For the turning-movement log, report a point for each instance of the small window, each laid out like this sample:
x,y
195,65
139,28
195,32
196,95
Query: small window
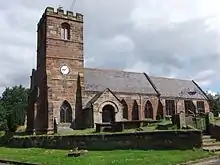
x,y
38,91
65,31
200,107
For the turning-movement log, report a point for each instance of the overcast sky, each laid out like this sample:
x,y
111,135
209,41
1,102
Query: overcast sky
x,y
174,38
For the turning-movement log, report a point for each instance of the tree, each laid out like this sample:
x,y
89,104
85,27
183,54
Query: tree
x,y
214,104
14,102
3,121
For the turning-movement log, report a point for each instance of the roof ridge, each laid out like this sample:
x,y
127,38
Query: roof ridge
x,y
163,77
115,70
133,72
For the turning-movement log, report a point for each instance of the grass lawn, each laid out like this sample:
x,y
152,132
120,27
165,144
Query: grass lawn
x,y
118,157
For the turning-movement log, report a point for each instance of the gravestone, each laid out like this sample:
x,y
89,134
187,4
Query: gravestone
x,y
55,125
179,120
210,117
209,121
76,152
182,120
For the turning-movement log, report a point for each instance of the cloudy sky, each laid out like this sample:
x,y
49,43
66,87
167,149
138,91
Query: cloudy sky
x,y
173,38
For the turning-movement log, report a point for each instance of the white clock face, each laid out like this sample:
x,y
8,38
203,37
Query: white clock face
x,y
64,70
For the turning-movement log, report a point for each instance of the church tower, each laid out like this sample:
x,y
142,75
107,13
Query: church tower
x,y
58,82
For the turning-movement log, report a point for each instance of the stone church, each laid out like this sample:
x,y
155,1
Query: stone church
x,y
65,92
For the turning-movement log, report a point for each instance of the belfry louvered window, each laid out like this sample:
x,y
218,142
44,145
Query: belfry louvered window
x,y
65,31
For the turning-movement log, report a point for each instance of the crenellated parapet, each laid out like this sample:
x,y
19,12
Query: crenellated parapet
x,y
64,14
60,13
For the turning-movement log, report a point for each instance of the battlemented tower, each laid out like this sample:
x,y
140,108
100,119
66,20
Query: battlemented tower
x,y
58,81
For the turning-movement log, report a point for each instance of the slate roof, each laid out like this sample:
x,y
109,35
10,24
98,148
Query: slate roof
x,y
169,87
116,81
130,82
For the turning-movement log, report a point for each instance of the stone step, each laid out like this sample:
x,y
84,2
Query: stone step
x,y
211,140
212,148
206,137
211,144
217,152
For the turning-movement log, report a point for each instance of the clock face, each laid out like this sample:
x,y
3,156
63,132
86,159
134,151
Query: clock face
x,y
64,70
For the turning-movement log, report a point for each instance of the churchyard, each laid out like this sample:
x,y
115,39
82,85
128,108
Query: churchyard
x,y
116,157
158,142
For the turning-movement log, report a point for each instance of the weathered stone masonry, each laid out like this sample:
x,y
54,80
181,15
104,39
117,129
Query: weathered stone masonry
x,y
64,92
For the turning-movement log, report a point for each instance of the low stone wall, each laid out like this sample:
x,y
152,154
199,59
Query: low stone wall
x,y
139,140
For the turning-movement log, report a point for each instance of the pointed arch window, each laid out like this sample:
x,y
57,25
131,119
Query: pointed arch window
x,y
148,111
65,31
135,111
65,113
125,109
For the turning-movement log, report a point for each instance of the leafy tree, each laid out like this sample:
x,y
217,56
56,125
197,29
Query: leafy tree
x,y
14,102
214,104
3,121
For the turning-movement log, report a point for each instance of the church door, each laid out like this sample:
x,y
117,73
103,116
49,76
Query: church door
x,y
108,114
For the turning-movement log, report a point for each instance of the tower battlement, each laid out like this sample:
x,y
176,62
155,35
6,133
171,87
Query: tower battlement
x,y
60,13
66,15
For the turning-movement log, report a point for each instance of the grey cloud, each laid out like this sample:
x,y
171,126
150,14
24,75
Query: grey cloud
x,y
182,48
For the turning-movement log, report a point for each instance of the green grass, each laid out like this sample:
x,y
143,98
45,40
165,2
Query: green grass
x,y
118,157
92,131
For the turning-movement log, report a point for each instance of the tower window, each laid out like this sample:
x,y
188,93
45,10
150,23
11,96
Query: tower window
x,y
65,31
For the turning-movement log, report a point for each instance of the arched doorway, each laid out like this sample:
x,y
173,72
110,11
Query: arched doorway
x,y
125,109
108,114
148,111
65,112
135,111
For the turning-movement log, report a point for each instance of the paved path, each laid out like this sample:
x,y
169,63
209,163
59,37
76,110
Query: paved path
x,y
211,162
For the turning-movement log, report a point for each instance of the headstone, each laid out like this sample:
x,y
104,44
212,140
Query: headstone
x,y
25,122
55,125
182,120
211,119
179,120
76,152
